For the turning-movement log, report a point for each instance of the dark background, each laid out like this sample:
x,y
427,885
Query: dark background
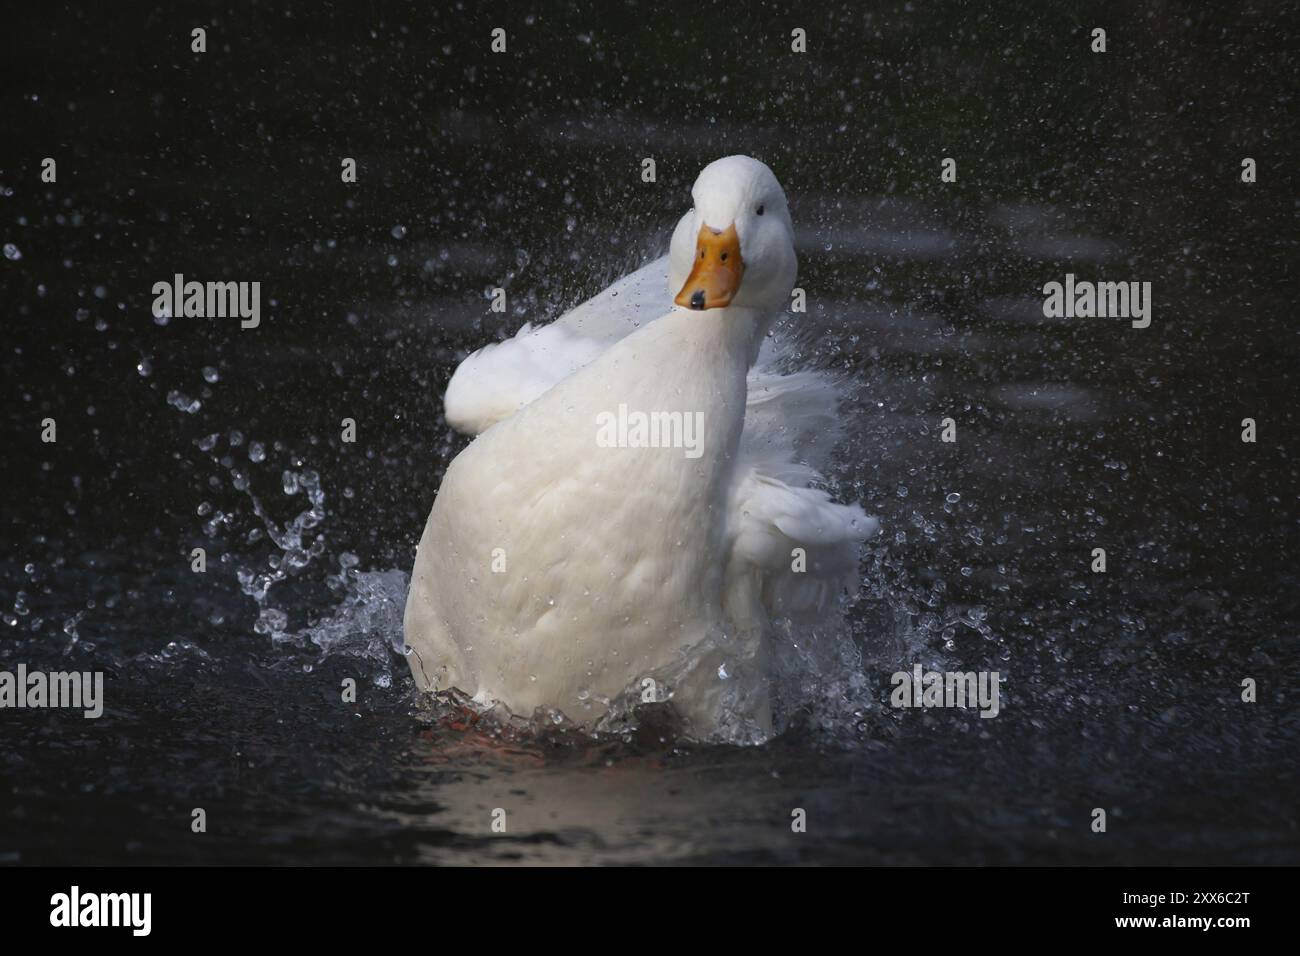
x,y
523,171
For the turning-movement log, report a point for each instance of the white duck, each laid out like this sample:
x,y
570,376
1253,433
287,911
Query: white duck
x,y
558,571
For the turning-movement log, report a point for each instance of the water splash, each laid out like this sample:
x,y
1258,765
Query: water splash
x,y
365,617
367,621
296,552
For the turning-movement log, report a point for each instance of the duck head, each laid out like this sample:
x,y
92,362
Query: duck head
x,y
736,247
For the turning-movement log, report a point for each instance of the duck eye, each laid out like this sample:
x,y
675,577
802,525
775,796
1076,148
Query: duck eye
x,y
759,210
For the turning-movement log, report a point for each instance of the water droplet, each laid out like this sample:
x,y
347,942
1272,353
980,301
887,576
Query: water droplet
x,y
183,402
11,252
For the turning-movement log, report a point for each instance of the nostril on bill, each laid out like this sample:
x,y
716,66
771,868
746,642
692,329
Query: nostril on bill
x,y
697,299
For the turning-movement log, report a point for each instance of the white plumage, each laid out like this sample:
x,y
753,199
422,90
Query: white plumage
x,y
556,572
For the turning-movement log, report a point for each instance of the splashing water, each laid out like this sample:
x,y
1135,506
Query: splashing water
x,y
367,622
365,619
296,553
820,678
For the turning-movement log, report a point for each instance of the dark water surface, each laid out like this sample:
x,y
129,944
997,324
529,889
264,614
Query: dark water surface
x,y
1122,691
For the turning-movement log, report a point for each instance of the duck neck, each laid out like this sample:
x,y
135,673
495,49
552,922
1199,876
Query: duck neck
x,y
701,363
744,329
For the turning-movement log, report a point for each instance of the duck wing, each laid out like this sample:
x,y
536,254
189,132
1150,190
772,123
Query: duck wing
x,y
499,379
794,551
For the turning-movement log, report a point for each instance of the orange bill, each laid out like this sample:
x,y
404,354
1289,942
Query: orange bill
x,y
715,277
